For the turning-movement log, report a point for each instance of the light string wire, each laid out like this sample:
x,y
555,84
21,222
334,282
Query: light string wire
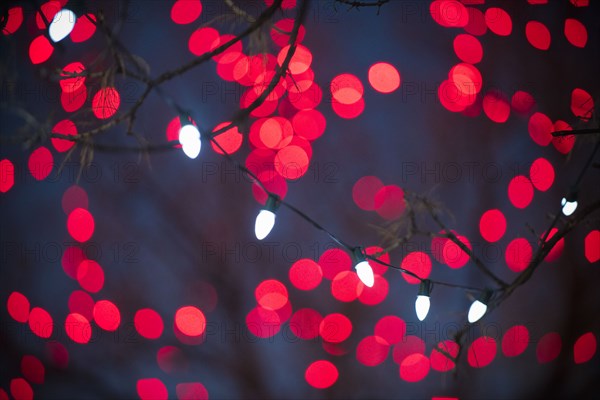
x,y
244,113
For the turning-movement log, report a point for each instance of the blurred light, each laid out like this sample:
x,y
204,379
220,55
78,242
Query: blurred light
x,y
62,24
189,137
478,308
265,220
422,303
363,269
568,207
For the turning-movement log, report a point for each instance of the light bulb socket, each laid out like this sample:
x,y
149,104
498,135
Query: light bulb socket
x,y
425,288
485,296
358,255
572,196
272,203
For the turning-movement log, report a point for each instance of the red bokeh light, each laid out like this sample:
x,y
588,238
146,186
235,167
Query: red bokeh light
x,y
151,389
7,175
476,25
346,89
305,274
106,103
190,321
439,361
391,328
576,32
203,40
291,162
374,295
263,323
40,163
515,341
496,106
71,259
80,225
564,144
57,354
40,322
73,101
372,351
333,261
70,83
46,13
78,328
522,102
107,315
186,11
378,268
449,13
548,347
582,104
540,129
541,174
468,48
13,21
482,352
346,286
191,391
271,294
300,61
310,124
18,307
148,323
90,276
348,111
557,250
518,254
321,374
389,202
84,28
32,369
498,21
408,345
584,348
414,367
364,191
538,35
384,77
64,127
40,50
417,262
335,328
20,389
81,302
492,225
453,255
520,191
74,197
230,140
280,33
305,323
592,246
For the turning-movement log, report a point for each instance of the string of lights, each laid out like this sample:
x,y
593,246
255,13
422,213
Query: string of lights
x,y
190,139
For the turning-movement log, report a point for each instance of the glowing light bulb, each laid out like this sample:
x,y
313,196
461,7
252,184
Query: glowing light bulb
x,y
365,273
265,220
423,302
476,311
62,24
422,307
568,207
189,137
479,308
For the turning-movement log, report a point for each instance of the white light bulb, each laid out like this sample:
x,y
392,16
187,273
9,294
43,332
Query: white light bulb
x,y
189,137
476,311
568,207
422,306
365,273
62,24
265,220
